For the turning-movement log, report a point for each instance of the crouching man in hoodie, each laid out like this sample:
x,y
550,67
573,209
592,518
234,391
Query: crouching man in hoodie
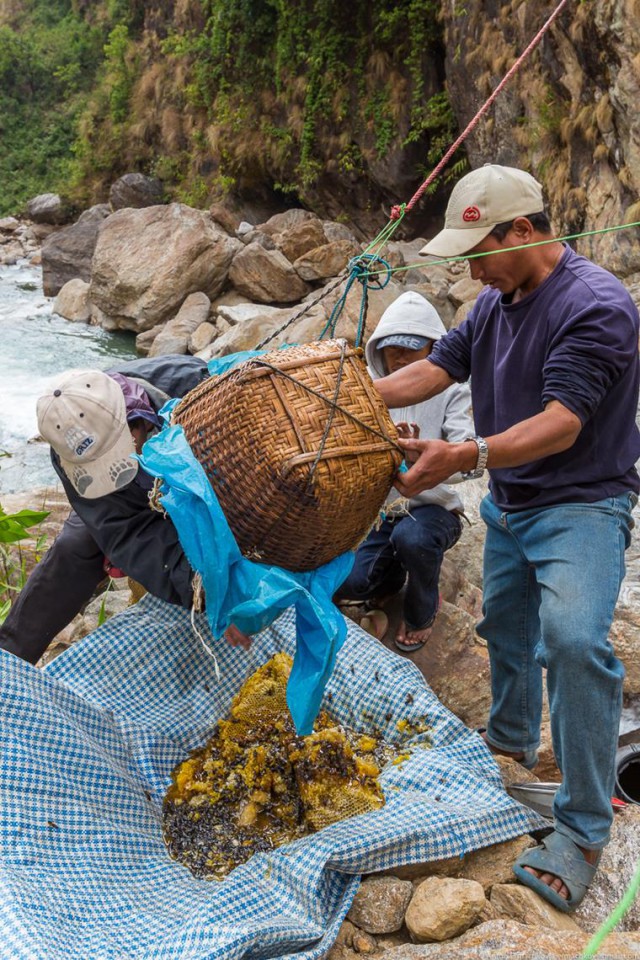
x,y
413,537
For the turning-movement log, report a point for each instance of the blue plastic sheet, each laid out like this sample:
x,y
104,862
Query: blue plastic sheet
x,y
247,594
220,365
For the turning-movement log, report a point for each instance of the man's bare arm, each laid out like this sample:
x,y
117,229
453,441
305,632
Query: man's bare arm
x,y
552,431
414,383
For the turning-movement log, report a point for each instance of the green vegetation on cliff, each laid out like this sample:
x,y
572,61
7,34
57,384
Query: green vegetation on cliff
x,y
50,53
218,95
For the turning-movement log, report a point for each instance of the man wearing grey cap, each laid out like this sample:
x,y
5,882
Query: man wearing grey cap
x,y
551,350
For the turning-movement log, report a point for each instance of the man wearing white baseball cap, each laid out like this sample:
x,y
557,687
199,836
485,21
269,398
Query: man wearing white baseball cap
x,y
482,200
84,418
94,422
551,351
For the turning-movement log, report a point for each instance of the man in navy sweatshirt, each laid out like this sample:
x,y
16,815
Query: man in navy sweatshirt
x,y
551,349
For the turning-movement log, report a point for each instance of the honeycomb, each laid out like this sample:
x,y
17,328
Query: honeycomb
x,y
256,785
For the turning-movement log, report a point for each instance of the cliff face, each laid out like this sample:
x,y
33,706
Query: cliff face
x,y
570,115
343,109
339,108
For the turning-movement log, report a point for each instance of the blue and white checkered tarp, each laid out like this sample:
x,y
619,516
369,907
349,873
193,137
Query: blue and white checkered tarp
x,y
88,746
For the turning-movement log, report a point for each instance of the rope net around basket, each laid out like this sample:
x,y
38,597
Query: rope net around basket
x,y
299,449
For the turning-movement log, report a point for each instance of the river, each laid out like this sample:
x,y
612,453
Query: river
x,y
37,344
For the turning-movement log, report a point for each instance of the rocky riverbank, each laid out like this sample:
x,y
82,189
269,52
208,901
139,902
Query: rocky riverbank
x,y
206,282
21,239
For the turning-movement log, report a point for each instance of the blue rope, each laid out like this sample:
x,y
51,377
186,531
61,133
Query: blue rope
x,y
359,269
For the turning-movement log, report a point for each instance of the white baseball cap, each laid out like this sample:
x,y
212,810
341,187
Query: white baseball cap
x,y
482,199
84,418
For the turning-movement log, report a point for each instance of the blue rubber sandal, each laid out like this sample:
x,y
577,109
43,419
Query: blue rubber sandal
x,y
561,857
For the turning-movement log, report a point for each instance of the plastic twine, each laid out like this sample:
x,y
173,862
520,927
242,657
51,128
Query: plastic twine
x,y
461,258
360,270
197,606
614,917
387,231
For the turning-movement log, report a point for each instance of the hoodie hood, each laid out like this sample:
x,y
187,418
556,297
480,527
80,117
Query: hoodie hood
x,y
412,314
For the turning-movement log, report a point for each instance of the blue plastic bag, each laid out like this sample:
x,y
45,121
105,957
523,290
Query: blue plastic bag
x,y
247,594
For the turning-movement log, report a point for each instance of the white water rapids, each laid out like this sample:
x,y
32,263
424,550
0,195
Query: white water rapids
x,y
36,344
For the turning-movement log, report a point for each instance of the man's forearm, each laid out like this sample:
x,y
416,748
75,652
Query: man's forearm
x,y
414,383
552,431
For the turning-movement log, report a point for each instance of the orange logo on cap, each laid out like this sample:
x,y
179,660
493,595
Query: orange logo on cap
x,y
471,214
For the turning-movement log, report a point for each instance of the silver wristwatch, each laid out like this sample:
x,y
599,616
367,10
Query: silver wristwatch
x,y
483,456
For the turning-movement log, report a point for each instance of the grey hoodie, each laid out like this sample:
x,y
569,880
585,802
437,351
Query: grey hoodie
x,y
445,416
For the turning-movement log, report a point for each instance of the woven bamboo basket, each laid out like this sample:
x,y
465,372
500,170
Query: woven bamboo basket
x,y
299,448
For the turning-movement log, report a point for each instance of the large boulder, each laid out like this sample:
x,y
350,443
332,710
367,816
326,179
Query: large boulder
x,y
147,262
515,902
202,336
510,940
266,276
328,260
48,208
380,904
281,223
239,313
300,238
249,326
9,224
442,908
615,874
72,302
174,336
145,339
337,231
67,253
225,218
136,190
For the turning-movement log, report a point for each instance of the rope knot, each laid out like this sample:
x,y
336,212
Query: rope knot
x,y
363,268
360,269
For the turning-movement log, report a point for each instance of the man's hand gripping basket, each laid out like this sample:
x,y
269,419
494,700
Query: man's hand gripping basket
x,y
299,448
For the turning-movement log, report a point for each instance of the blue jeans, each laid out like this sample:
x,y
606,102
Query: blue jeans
x,y
412,545
551,582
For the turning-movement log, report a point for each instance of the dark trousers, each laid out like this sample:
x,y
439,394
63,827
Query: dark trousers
x,y
58,588
405,547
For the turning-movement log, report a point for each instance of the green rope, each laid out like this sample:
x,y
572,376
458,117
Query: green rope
x,y
365,274
386,233
614,917
522,246
359,270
